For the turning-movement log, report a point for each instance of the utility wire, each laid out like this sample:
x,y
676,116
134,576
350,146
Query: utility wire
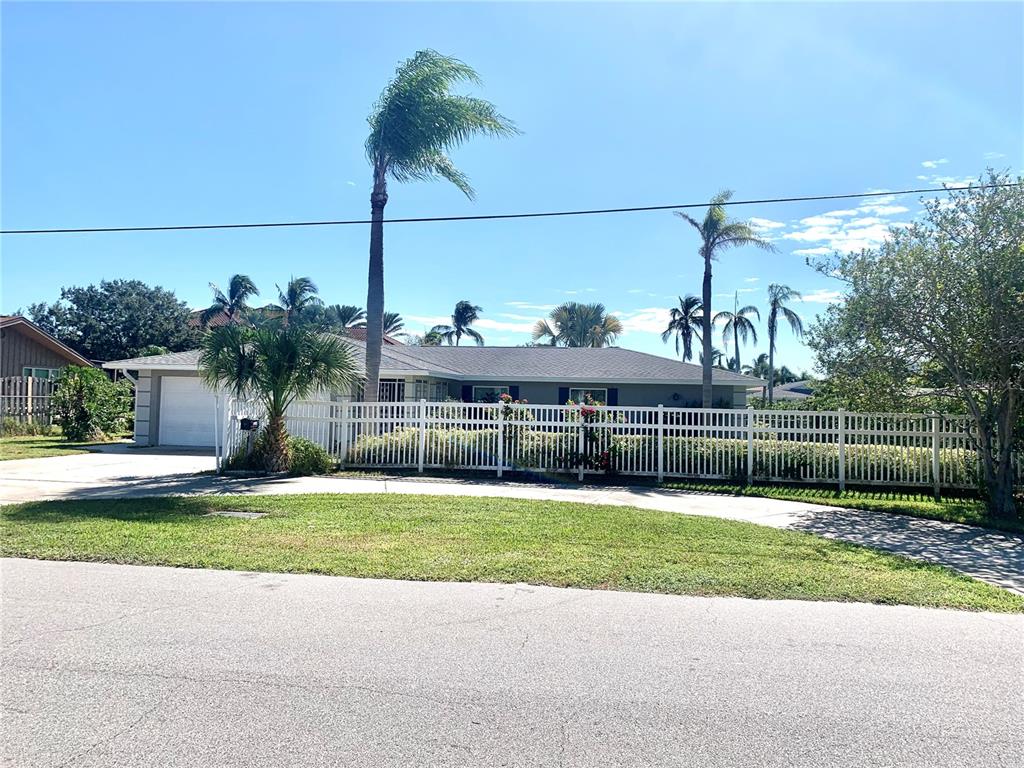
x,y
494,216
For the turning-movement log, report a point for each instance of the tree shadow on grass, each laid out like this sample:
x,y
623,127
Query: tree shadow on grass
x,y
993,556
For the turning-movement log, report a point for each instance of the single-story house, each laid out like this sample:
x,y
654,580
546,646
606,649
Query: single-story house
x,y
28,350
173,407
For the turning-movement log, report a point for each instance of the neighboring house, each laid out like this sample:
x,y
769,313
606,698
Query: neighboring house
x,y
174,408
794,390
28,350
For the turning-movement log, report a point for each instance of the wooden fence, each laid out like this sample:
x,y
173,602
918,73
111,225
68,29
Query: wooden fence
x,y
26,399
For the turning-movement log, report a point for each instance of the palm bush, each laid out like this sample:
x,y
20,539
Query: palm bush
x,y
275,365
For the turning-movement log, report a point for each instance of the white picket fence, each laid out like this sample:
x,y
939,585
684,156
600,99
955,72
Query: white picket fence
x,y
819,447
26,399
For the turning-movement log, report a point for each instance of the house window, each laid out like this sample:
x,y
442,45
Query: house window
x,y
40,373
391,390
488,394
598,395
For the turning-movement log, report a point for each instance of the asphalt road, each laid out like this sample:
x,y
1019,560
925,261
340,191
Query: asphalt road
x,y
135,666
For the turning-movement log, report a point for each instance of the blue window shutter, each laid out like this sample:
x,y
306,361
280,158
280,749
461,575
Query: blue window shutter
x,y
513,391
563,395
613,396
467,393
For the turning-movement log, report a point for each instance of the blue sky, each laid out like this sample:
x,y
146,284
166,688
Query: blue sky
x,y
145,114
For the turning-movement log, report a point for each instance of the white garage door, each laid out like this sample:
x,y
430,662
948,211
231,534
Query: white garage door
x,y
186,411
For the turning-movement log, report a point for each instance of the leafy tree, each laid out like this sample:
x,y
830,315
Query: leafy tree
x,y
717,233
413,127
465,314
429,339
738,326
685,323
153,349
89,406
234,304
578,325
947,291
298,296
116,319
778,295
275,365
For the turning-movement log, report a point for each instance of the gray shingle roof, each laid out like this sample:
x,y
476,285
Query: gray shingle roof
x,y
565,364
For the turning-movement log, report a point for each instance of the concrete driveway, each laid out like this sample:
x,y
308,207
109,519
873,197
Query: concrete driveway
x,y
133,666
122,471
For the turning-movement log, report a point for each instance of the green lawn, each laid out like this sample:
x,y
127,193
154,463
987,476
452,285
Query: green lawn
x,y
38,447
485,539
950,509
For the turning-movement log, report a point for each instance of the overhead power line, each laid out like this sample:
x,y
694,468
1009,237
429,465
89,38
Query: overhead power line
x,y
495,216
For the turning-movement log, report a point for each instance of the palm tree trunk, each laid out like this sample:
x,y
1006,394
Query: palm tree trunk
x,y
771,366
706,391
736,343
278,456
375,290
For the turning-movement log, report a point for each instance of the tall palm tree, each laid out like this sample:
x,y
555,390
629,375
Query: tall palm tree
x,y
232,304
778,295
275,365
578,325
738,326
685,322
392,323
465,314
343,316
297,296
413,127
759,367
717,233
717,358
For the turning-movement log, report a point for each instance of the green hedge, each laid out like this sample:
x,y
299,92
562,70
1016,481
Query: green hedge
x,y
696,456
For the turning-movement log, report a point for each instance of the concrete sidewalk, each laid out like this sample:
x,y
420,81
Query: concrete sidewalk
x,y
124,472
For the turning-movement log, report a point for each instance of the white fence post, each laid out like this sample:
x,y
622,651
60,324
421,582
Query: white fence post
x,y
661,443
936,477
421,453
841,416
28,398
345,426
579,451
501,438
750,445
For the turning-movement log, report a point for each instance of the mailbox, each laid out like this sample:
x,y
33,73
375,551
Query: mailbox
x,y
249,425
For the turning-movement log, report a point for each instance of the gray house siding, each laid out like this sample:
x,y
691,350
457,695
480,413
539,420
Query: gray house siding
x,y
649,395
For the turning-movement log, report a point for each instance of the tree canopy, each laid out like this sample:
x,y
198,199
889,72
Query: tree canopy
x,y
117,319
943,299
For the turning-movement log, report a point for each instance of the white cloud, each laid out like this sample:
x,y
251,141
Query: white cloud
x,y
934,163
350,183
485,323
993,155
883,210
751,279
822,296
865,226
646,320
502,325
765,223
528,305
